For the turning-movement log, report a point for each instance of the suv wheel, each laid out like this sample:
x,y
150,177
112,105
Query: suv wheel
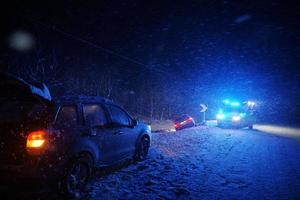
x,y
250,126
143,148
76,177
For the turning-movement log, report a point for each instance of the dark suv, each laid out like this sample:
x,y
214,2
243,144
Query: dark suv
x,y
64,139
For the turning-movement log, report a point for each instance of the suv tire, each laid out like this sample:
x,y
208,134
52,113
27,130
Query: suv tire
x,y
142,149
77,174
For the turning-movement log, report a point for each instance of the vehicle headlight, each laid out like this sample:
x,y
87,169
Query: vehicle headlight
x,y
149,127
236,118
251,103
220,116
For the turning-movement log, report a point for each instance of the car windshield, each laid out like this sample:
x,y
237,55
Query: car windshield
x,y
232,109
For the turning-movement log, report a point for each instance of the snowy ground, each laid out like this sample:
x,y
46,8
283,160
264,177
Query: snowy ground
x,y
208,163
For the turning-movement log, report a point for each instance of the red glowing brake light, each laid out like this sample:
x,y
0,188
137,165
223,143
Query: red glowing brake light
x,y
36,142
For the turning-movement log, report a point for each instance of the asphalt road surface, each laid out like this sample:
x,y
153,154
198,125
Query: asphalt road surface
x,y
208,163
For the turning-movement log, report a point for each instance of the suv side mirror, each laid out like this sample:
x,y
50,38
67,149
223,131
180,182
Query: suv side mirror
x,y
134,122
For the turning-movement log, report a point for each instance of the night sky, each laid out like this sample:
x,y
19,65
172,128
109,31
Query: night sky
x,y
200,51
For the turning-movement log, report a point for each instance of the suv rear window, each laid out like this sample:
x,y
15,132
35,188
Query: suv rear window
x,y
94,115
67,116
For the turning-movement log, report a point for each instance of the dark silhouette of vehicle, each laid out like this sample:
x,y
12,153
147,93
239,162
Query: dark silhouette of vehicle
x,y
184,121
62,140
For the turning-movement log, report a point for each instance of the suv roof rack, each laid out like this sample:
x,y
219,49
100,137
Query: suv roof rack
x,y
83,98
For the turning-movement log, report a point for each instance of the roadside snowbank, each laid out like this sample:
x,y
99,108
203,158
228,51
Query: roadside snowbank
x,y
162,126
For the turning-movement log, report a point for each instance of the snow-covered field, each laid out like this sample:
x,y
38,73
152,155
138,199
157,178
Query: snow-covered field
x,y
208,163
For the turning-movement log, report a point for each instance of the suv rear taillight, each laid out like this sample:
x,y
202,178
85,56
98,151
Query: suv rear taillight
x,y
36,142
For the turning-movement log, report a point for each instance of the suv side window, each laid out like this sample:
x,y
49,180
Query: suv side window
x,y
67,116
118,116
94,115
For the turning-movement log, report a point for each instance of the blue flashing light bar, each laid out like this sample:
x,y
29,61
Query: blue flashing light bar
x,y
235,104
226,101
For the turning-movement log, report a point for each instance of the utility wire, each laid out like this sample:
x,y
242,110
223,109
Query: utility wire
x,y
108,51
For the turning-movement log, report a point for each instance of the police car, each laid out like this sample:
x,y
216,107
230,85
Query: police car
x,y
236,114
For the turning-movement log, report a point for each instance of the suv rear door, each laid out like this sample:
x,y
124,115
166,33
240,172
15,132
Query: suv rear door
x,y
95,119
68,123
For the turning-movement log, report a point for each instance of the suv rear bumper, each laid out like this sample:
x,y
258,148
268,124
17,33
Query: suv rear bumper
x,y
31,171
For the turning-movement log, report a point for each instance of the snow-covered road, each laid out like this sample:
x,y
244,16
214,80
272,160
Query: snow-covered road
x,y
208,163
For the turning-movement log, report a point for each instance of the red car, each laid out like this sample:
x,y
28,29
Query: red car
x,y
185,121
